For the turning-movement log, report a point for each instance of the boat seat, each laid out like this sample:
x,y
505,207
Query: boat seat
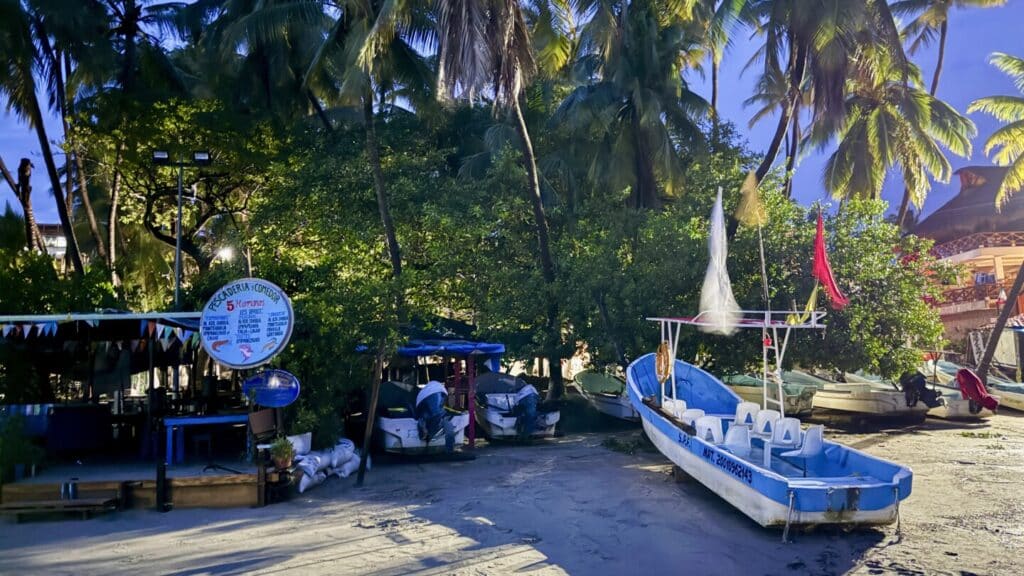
x,y
764,424
674,406
709,429
737,441
690,416
813,445
786,433
746,414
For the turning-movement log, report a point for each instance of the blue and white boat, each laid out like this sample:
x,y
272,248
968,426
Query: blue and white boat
x,y
696,427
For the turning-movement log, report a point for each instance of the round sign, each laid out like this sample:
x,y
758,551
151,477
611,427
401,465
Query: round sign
x,y
272,388
246,323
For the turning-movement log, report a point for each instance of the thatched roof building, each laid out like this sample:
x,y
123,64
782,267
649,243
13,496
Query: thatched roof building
x,y
973,210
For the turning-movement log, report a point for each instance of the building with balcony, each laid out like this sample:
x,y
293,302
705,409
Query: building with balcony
x,y
987,243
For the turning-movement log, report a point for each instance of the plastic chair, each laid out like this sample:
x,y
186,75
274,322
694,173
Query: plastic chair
x,y
737,440
764,424
709,429
674,407
786,433
690,416
746,414
814,444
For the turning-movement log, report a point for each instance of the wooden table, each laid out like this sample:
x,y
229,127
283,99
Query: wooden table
x,y
174,427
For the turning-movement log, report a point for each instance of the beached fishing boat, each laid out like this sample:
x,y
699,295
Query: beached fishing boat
x,y
396,428
607,394
769,468
942,373
953,406
507,407
798,400
857,397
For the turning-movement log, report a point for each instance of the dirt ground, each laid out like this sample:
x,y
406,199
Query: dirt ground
x,y
580,504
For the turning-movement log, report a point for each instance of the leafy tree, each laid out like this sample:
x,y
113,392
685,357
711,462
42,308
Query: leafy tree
x,y
1006,146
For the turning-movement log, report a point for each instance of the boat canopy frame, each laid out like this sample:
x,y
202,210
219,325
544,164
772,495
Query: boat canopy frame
x,y
770,322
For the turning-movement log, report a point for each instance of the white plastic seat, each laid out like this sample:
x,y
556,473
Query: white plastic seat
x,y
813,445
674,406
690,416
746,414
709,429
786,433
764,424
737,440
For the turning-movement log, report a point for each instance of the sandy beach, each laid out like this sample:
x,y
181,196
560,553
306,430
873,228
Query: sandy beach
x,y
580,504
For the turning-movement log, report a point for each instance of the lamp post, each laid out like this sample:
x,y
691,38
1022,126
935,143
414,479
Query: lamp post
x,y
163,158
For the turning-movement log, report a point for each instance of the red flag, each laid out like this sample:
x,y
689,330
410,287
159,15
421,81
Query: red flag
x,y
822,270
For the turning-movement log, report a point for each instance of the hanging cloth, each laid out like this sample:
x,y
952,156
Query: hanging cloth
x,y
812,303
718,306
822,270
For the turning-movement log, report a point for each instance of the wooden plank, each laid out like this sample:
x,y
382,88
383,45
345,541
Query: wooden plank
x,y
51,505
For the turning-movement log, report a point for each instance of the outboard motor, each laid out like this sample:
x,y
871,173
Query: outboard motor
x,y
527,398
430,409
916,390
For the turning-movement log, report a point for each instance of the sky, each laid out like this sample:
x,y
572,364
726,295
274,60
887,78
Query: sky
x,y
966,76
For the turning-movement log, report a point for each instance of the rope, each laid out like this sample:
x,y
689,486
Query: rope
x,y
789,517
899,527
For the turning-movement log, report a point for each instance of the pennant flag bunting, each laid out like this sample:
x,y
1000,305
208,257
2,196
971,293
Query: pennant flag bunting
x,y
6,329
40,329
165,343
134,345
92,323
25,329
53,328
822,270
151,327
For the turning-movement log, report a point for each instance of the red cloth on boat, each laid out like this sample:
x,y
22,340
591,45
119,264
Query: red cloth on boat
x,y
822,270
973,388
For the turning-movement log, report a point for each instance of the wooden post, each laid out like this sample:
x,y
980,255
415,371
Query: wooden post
x,y
378,374
471,398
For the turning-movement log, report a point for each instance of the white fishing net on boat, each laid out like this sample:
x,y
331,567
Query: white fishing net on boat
x,y
718,307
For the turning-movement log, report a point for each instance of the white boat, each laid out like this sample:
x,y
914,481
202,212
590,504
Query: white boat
x,y
396,429
607,394
789,477
953,406
943,374
798,400
858,397
496,401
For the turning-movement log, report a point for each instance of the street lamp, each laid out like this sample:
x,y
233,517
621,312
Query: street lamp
x,y
163,158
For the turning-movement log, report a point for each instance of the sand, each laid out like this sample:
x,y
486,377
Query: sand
x,y
568,506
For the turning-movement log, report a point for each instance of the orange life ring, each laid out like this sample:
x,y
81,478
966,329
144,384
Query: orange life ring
x,y
663,363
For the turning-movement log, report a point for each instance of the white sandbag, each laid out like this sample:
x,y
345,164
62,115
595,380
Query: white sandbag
x,y
302,443
342,452
324,459
310,464
307,482
347,468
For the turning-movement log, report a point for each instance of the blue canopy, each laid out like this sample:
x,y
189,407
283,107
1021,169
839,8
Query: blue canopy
x,y
414,348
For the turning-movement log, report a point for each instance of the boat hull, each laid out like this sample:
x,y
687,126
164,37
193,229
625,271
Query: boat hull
x,y
868,401
1011,400
846,486
957,408
496,425
796,404
615,406
402,436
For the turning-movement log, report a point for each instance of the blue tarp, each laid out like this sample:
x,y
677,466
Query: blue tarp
x,y
414,348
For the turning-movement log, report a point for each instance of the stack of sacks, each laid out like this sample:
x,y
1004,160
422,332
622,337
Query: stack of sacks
x,y
341,461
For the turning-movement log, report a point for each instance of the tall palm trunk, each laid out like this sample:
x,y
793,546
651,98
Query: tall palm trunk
x,y
943,32
73,252
83,190
645,190
798,63
794,151
547,264
379,185
1004,315
23,191
115,196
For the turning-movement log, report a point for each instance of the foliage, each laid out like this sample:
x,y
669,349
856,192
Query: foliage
x,y
1006,145
281,449
15,448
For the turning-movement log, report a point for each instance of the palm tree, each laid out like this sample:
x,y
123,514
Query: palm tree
x,y
1006,147
931,17
817,41
891,122
485,44
638,104
20,43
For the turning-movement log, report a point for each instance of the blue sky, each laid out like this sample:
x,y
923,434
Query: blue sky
x,y
973,35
